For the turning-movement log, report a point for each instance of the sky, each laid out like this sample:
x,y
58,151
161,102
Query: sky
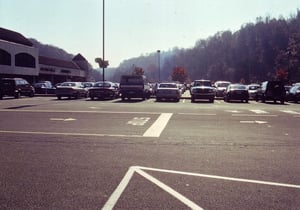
x,y
132,27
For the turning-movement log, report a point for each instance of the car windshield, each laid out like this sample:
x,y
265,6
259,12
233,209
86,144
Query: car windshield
x,y
253,87
238,87
166,85
202,83
68,84
132,80
223,84
101,84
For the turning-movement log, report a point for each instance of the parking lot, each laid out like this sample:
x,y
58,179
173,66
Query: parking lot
x,y
111,154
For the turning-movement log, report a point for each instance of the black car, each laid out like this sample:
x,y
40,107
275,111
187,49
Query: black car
x,y
15,87
202,89
236,92
103,90
271,91
44,87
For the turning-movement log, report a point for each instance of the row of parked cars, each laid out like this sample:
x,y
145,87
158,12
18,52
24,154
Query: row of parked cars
x,y
135,86
266,91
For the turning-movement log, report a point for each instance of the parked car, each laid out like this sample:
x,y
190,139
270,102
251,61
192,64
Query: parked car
x,y
168,91
252,90
88,84
15,87
221,87
44,87
202,89
103,90
134,86
271,91
71,90
294,94
236,92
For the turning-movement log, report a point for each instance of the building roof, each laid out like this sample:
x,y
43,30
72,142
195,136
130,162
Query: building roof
x,y
79,57
56,62
15,37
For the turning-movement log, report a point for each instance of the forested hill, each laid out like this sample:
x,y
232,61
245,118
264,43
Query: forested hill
x,y
254,53
51,51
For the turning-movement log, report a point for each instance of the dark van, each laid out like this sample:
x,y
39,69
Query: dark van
x,y
15,87
134,86
271,91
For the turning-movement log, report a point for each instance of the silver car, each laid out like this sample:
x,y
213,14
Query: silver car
x,y
71,90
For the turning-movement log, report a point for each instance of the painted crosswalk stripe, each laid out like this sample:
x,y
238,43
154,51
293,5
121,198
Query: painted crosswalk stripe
x,y
158,126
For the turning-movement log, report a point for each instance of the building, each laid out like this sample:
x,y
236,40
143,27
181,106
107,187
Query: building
x,y
19,58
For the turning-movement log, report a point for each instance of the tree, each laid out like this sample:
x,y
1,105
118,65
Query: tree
x,y
179,74
138,71
282,75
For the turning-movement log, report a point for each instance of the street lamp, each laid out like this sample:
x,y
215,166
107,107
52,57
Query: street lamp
x,y
101,61
103,49
158,51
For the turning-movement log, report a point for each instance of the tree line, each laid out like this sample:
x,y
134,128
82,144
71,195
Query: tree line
x,y
265,50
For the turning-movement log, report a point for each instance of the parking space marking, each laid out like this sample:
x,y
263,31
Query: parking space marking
x,y
224,178
113,199
158,126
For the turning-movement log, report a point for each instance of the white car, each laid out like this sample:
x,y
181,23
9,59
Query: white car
x,y
168,91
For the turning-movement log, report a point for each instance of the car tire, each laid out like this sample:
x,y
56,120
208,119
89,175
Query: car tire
x,y
17,95
31,94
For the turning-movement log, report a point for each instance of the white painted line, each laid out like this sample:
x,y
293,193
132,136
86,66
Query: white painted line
x,y
62,119
169,190
111,202
70,134
198,114
218,102
223,178
256,121
258,111
233,111
79,111
158,126
290,112
254,115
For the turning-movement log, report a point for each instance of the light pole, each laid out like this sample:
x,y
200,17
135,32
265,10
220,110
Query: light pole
x,y
103,49
158,52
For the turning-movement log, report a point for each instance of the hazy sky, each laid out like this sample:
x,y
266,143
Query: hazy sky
x,y
132,27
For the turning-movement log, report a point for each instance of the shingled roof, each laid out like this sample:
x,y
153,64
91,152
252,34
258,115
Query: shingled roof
x,y
15,37
56,62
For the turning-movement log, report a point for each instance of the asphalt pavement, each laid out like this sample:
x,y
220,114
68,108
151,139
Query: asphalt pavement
x,y
110,154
